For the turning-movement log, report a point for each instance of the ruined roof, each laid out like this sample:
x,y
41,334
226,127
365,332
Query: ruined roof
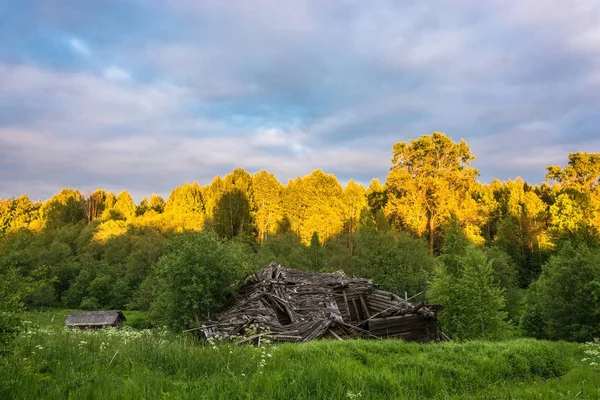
x,y
94,318
293,305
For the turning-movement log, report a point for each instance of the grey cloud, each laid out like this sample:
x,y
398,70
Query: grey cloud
x,y
298,85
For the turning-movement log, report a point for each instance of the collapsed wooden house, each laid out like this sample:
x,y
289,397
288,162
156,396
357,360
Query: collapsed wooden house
x,y
287,304
95,319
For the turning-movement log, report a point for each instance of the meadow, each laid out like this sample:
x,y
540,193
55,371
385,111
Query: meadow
x,y
50,362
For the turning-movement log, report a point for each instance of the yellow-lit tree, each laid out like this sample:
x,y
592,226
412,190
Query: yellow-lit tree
x,y
315,204
64,208
267,197
430,180
355,202
125,206
234,209
185,207
580,184
522,227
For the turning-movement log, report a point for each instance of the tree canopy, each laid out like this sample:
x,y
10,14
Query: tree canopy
x,y
429,181
493,254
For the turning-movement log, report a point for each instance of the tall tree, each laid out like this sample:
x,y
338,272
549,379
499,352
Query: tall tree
x,y
522,227
581,173
18,213
66,207
563,302
429,181
212,194
125,205
314,203
234,211
355,201
185,207
94,205
195,279
465,285
580,181
156,203
267,197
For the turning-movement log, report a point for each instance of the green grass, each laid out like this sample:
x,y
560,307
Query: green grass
x,y
53,363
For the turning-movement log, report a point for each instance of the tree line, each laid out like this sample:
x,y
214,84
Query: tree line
x,y
503,258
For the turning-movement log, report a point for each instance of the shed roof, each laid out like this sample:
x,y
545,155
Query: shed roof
x,y
94,318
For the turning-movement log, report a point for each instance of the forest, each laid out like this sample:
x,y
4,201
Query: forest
x,y
504,259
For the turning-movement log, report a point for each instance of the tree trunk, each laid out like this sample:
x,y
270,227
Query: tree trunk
x,y
431,234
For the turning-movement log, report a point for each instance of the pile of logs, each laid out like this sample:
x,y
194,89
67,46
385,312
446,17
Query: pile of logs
x,y
287,304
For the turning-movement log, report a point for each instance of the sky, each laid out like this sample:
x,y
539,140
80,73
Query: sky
x,y
145,95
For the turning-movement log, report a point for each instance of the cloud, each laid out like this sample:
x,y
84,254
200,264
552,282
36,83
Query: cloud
x,y
116,74
185,90
79,47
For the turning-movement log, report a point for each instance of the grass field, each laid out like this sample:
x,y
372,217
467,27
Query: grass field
x,y
51,363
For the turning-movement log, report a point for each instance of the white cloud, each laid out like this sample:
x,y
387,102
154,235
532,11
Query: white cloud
x,y
329,85
116,74
78,46
70,102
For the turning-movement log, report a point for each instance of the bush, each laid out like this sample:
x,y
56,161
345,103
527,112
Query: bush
x,y
195,279
563,302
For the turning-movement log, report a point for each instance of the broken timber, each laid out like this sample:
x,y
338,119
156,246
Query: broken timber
x,y
287,304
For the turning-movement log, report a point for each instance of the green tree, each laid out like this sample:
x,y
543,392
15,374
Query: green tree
x,y
395,260
14,288
285,248
430,180
315,251
521,228
474,303
376,196
66,207
563,303
465,285
195,280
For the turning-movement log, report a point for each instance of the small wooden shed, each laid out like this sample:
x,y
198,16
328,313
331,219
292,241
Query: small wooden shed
x,y
95,319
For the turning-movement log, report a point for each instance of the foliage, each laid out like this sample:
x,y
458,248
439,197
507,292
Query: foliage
x,y
101,250
64,208
269,210
194,280
396,261
314,203
563,303
429,182
521,229
14,288
465,286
